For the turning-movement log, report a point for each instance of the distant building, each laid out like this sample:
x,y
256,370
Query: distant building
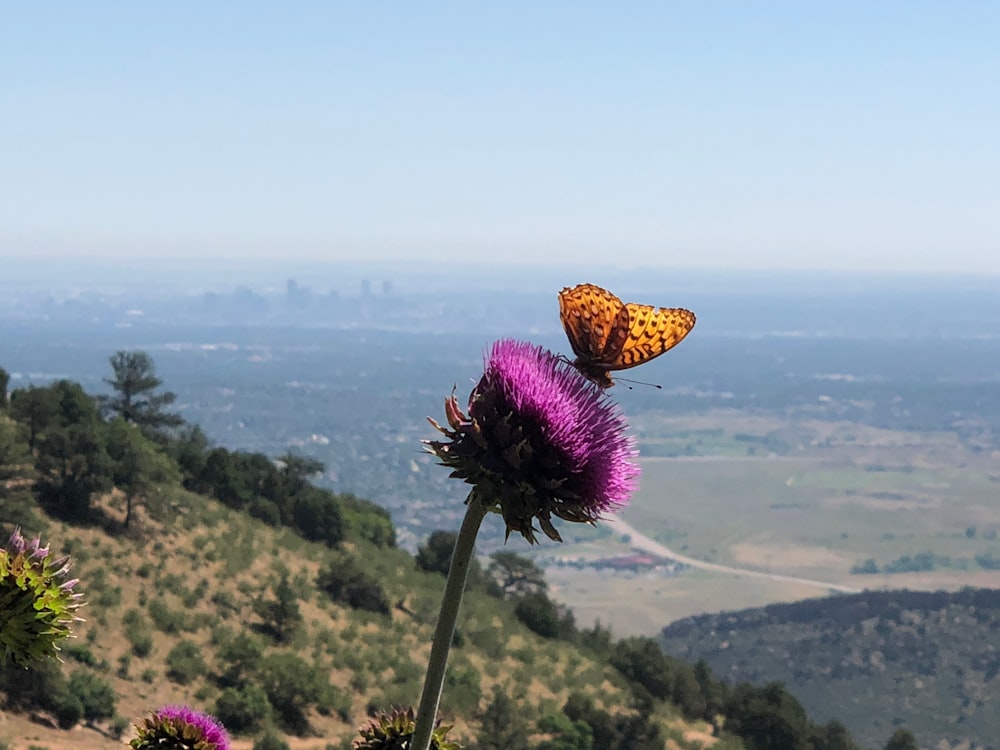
x,y
296,296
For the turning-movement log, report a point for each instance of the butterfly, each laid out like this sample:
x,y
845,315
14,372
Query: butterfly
x,y
607,334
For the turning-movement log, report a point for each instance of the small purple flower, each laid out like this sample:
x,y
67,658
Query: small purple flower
x,y
37,605
539,440
180,728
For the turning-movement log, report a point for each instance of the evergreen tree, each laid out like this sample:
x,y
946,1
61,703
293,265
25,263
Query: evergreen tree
x,y
138,467
712,690
539,614
902,739
135,399
501,726
605,728
281,615
767,718
434,556
15,458
317,516
297,471
17,474
35,408
686,692
566,733
643,663
71,462
190,450
834,736
515,575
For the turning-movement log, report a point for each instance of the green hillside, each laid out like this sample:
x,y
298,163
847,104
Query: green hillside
x,y
875,660
228,581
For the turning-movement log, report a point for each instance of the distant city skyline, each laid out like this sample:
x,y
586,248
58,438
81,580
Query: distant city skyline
x,y
769,135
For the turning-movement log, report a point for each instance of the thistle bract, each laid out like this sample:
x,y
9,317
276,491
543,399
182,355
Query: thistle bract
x,y
37,603
393,730
539,440
180,728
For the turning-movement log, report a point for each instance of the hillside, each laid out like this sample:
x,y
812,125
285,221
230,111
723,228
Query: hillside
x,y
229,581
172,616
875,660
280,607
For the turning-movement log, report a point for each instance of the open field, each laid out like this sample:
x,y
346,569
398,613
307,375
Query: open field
x,y
922,505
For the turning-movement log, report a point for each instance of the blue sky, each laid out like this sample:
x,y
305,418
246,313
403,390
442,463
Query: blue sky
x,y
845,135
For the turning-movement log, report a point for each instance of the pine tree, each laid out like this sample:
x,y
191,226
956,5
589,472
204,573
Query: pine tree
x,y
902,739
135,383
501,726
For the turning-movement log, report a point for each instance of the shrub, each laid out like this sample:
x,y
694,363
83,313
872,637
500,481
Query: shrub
x,y
124,662
369,521
243,710
82,654
462,689
137,632
281,616
119,725
95,695
239,658
264,510
539,614
68,710
345,582
434,555
292,686
185,663
166,619
270,741
318,518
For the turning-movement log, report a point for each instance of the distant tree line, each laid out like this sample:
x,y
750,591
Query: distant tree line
x,y
68,447
765,717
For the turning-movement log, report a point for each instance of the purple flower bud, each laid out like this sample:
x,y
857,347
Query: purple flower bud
x,y
180,727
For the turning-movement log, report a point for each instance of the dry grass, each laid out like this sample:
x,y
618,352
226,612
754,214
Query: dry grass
x,y
167,563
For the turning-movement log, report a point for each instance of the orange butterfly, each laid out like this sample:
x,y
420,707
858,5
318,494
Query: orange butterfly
x,y
607,334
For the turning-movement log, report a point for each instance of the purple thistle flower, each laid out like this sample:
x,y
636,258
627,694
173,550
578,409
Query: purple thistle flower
x,y
38,607
539,440
180,728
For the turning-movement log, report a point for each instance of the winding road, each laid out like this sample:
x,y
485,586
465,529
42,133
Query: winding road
x,y
646,544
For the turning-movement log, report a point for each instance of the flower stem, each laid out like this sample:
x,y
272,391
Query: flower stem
x,y
445,630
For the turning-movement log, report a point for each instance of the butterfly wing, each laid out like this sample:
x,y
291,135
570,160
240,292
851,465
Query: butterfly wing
x,y
596,323
651,332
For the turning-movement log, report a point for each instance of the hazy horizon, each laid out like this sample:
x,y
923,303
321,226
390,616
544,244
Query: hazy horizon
x,y
178,274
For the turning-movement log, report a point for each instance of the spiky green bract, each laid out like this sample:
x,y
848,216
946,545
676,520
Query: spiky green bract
x,y
539,440
393,730
180,728
37,603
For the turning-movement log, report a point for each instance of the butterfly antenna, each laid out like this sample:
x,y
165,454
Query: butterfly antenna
x,y
638,382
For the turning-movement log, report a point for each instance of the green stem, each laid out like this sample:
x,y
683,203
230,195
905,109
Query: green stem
x,y
445,630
